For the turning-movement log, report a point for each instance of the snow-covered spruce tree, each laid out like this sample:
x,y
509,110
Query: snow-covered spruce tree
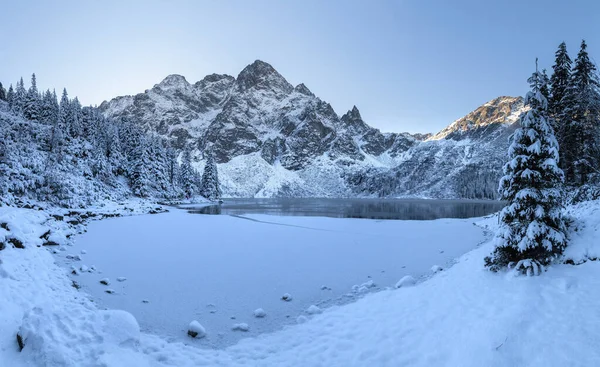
x,y
140,179
532,230
64,112
75,116
2,93
19,98
187,174
582,109
49,110
210,187
559,82
33,104
10,97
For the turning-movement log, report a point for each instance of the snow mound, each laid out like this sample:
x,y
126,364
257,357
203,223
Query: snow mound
x,y
260,313
406,281
301,319
59,337
364,287
240,327
313,310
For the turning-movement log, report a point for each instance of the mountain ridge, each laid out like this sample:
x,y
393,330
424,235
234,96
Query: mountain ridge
x,y
262,120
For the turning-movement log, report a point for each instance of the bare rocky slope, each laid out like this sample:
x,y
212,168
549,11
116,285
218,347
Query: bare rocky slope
x,y
273,139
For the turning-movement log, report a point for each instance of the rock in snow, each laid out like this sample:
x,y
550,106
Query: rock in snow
x,y
436,269
406,281
240,327
286,297
105,281
260,313
195,330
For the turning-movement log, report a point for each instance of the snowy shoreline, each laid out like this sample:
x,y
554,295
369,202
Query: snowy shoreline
x,y
461,316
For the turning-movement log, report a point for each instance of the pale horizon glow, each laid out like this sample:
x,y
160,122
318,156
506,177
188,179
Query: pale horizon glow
x,y
409,65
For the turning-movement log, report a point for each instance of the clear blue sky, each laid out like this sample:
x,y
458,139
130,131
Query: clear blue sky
x,y
413,65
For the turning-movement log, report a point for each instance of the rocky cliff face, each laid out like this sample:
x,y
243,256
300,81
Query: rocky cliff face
x,y
273,139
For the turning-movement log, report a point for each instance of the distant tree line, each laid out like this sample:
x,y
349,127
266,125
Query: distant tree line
x,y
62,152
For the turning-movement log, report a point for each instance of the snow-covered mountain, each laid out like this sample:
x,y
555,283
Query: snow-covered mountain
x,y
271,138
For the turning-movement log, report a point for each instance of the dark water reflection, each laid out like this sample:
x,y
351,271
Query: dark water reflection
x,y
401,209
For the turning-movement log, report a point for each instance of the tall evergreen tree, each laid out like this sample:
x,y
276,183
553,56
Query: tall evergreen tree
x,y
187,174
532,231
140,179
210,187
75,116
545,81
32,107
49,110
582,108
10,97
172,167
114,153
2,93
559,82
19,99
64,112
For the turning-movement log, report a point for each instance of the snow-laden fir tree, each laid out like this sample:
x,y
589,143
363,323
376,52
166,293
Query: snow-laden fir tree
x,y
2,93
32,106
64,113
559,83
10,97
140,175
545,89
582,112
19,98
210,187
187,175
49,110
532,229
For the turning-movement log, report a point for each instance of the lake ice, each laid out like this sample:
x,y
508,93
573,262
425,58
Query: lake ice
x,y
170,269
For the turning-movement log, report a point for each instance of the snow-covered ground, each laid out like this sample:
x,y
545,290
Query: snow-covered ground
x,y
218,269
461,316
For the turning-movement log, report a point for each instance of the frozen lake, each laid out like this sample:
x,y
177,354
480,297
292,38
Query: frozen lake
x,y
218,269
403,209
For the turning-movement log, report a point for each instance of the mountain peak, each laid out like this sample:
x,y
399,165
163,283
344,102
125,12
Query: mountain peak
x,y
172,81
303,89
261,75
503,110
352,116
212,79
